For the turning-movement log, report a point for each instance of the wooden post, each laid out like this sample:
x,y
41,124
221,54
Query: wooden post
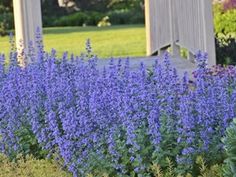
x,y
148,27
27,15
209,40
173,30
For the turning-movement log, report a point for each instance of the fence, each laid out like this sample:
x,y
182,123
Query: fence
x,y
180,23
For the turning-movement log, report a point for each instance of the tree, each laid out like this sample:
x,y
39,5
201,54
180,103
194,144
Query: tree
x,y
70,5
125,4
6,17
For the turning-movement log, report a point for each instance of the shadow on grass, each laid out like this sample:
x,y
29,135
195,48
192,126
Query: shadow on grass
x,y
75,29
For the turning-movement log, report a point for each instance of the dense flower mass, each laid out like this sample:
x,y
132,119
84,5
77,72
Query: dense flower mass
x,y
117,117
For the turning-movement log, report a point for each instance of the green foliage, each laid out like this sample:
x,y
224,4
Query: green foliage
x,y
224,21
30,167
225,32
51,9
166,167
92,11
93,5
126,16
121,12
125,4
204,170
79,19
3,31
168,146
155,170
6,17
213,171
225,50
141,157
92,18
29,144
230,147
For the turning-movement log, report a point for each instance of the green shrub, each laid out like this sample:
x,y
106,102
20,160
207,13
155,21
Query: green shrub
x,y
6,23
91,18
79,19
3,31
28,144
205,171
225,50
30,167
48,21
225,33
224,21
155,170
126,17
230,147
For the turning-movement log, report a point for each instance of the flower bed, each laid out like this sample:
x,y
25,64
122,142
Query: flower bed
x,y
116,121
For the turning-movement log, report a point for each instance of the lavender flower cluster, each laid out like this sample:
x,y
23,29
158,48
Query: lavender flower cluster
x,y
124,117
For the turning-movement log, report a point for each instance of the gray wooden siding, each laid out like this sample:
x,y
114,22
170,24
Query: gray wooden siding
x,y
185,23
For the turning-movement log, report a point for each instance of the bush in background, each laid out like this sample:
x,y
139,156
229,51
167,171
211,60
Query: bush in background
x,y
126,17
79,19
224,21
225,34
3,30
116,17
225,50
6,17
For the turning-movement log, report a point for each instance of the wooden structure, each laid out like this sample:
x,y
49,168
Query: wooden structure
x,y
175,23
180,23
27,15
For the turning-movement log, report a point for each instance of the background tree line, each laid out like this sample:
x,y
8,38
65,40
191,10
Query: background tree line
x,y
91,11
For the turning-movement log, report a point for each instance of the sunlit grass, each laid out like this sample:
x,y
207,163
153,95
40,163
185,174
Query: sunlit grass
x,y
116,41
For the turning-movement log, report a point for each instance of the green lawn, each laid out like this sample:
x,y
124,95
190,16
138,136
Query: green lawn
x,y
126,40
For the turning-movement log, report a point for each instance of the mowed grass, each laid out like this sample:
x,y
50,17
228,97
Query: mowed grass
x,y
114,41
